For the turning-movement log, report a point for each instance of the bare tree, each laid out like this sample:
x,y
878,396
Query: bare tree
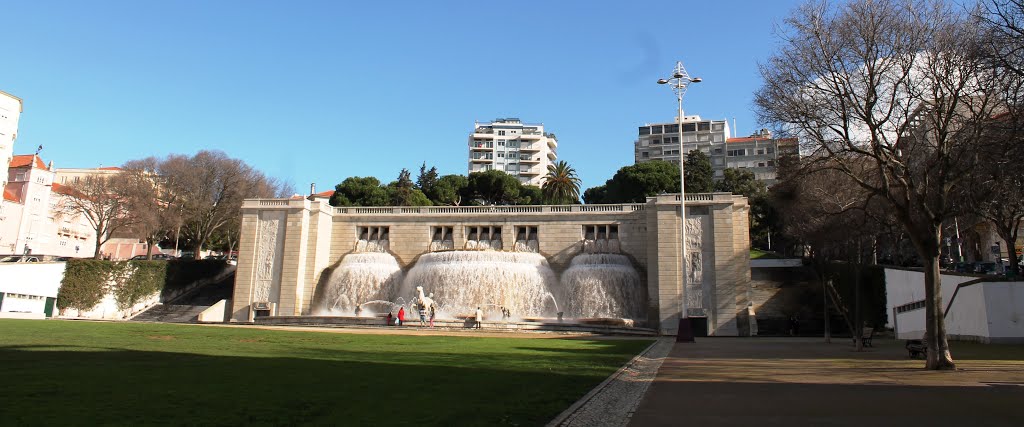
x,y
891,93
158,209
211,187
105,200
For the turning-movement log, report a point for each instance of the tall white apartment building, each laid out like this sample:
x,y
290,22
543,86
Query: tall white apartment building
x,y
661,141
10,112
509,145
758,153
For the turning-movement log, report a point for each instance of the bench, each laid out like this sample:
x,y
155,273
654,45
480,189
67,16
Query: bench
x,y
866,337
917,347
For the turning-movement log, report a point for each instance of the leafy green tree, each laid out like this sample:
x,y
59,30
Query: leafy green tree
x,y
740,181
530,195
699,176
449,190
635,183
360,191
493,187
403,192
595,195
427,179
561,184
743,182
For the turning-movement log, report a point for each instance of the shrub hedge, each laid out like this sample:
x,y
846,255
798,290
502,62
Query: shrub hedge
x,y
86,281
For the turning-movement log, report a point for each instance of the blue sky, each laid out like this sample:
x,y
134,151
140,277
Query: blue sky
x,y
318,91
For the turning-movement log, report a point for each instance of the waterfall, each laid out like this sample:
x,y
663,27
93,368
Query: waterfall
x,y
461,281
603,285
360,277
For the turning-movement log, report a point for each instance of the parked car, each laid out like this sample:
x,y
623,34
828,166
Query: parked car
x,y
19,258
985,268
156,257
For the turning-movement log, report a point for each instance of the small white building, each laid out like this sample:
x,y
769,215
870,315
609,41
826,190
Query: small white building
x,y
980,309
29,290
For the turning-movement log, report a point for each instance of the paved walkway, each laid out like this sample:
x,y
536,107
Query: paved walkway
x,y
804,382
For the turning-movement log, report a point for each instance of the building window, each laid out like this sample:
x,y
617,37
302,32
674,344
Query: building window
x,y
718,126
526,239
671,128
655,141
760,151
645,130
771,163
689,127
718,151
645,154
20,176
655,129
501,142
771,150
481,237
704,126
501,132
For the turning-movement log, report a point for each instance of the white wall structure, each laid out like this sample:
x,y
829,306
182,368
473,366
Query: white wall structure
x,y
982,310
10,112
27,288
509,145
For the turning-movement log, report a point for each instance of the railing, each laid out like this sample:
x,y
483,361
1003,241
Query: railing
x,y
428,210
273,203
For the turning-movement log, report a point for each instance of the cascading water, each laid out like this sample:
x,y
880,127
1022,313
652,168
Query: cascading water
x,y
603,285
461,281
359,278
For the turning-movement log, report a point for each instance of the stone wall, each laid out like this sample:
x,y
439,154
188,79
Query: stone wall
x,y
286,245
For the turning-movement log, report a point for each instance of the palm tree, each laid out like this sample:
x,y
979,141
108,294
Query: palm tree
x,y
561,185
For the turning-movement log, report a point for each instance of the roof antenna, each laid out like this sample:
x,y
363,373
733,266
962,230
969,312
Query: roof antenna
x,y
39,149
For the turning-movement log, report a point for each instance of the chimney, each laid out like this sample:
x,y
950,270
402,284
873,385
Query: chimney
x,y
312,188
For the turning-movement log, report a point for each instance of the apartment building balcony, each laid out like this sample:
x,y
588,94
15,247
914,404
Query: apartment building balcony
x,y
483,147
533,136
529,171
552,143
529,159
483,131
481,160
529,147
552,155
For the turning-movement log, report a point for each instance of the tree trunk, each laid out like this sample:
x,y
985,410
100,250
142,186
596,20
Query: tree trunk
x,y
1011,250
199,249
96,254
939,357
149,248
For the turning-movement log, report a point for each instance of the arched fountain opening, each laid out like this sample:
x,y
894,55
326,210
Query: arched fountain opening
x,y
603,285
368,275
461,281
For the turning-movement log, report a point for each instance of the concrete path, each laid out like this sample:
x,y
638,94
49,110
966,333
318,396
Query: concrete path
x,y
804,382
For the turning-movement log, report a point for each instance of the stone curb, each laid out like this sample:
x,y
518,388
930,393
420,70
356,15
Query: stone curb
x,y
582,405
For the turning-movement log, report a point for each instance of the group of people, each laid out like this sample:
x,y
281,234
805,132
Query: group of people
x,y
427,315
505,313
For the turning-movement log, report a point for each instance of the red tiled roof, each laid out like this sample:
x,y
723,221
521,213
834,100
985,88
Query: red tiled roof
x,y
24,160
10,197
326,194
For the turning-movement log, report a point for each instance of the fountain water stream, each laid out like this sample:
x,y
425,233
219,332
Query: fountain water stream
x,y
464,280
603,285
359,278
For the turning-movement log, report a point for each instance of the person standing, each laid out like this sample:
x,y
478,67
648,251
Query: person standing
x,y
401,317
432,314
389,318
479,318
423,315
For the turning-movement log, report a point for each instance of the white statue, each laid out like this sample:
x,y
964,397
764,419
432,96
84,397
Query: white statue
x,y
425,302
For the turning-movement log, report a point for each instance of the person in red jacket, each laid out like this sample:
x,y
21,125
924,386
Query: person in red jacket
x,y
401,316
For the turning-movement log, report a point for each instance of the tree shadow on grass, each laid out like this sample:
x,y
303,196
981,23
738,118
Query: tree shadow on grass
x,y
61,385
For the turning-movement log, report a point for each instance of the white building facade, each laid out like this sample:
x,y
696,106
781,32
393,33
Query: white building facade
x,y
32,214
10,112
509,145
758,152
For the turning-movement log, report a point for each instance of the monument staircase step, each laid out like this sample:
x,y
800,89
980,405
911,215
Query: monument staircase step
x,y
171,313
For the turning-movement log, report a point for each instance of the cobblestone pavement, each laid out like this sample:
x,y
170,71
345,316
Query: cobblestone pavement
x,y
612,402
805,382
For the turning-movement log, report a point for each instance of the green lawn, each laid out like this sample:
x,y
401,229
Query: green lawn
x,y
87,373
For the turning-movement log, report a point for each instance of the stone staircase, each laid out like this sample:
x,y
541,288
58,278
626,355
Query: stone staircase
x,y
187,308
171,313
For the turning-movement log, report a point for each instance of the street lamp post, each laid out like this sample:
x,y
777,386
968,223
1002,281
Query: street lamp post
x,y
679,82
